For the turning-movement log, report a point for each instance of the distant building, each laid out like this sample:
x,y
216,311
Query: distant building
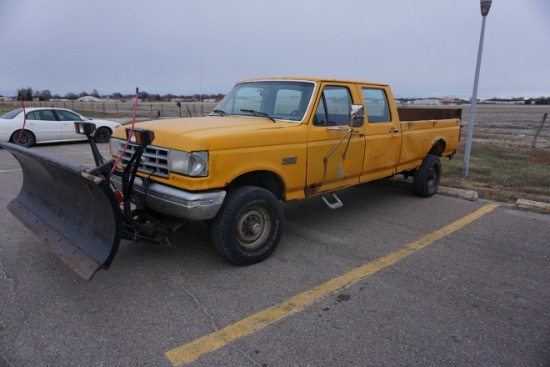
x,y
89,99
427,102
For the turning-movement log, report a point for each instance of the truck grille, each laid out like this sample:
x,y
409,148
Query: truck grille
x,y
154,160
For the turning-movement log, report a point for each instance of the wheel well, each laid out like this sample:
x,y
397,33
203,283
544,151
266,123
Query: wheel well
x,y
18,131
438,148
264,179
104,127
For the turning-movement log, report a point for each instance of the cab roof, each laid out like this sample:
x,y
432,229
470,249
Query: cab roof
x,y
316,80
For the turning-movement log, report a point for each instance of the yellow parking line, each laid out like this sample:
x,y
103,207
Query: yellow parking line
x,y
209,343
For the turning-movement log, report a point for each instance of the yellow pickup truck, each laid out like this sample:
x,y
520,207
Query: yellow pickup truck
x,y
269,140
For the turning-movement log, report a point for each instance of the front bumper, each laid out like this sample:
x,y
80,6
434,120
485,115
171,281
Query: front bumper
x,y
175,202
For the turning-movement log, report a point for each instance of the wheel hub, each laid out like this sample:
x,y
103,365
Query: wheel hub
x,y
253,228
256,228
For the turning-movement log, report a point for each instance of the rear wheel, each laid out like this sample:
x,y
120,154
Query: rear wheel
x,y
426,178
25,139
249,226
102,135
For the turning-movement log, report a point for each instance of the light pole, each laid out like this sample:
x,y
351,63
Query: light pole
x,y
485,7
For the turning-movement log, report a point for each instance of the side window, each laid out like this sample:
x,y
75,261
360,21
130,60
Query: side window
x,y
333,108
67,115
377,105
32,116
44,115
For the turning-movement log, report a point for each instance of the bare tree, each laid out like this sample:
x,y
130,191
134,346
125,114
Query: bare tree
x,y
25,93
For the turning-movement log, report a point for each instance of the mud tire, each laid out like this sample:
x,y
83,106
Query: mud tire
x,y
426,178
249,225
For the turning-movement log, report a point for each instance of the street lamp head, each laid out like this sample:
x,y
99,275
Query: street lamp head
x,y
485,6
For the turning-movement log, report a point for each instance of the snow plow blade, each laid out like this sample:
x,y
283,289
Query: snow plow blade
x,y
75,213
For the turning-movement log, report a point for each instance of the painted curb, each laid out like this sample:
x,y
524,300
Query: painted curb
x,y
534,206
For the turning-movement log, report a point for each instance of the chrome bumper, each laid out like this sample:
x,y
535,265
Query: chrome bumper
x,y
175,202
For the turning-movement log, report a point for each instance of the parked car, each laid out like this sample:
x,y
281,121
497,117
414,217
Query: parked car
x,y
49,125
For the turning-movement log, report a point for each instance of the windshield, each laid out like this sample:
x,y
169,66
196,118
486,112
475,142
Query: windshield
x,y
11,114
273,99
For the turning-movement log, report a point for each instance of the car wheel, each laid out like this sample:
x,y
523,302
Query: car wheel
x,y
249,225
426,178
102,135
25,139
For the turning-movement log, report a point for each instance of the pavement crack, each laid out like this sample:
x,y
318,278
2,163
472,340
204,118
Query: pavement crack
x,y
203,309
247,356
9,280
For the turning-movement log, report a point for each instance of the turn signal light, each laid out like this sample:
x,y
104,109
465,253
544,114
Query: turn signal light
x,y
84,128
141,137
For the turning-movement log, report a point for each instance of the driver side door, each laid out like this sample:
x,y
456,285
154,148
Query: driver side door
x,y
67,120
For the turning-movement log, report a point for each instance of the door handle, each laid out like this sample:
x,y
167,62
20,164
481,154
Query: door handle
x,y
360,133
336,128
394,130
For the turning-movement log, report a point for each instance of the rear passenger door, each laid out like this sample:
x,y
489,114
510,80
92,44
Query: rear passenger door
x,y
383,138
335,150
44,125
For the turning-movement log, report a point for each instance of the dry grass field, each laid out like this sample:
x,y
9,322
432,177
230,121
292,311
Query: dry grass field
x,y
509,124
503,166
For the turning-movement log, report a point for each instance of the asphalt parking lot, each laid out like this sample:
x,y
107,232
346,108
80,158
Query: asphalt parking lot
x,y
390,279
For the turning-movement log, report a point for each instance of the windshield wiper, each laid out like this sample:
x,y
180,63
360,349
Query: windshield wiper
x,y
219,112
259,113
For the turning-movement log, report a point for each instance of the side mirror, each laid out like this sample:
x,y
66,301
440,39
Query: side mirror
x,y
357,115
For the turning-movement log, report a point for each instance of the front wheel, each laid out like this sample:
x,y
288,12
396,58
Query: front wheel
x,y
102,135
426,178
249,225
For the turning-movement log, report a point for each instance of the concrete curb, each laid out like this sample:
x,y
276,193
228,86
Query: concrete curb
x,y
458,193
448,191
534,206
521,204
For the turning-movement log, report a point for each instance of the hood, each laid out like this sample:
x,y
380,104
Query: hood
x,y
217,132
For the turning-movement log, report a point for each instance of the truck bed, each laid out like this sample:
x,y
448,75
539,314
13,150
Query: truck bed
x,y
428,113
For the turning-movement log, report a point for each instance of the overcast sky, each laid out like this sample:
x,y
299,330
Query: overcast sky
x,y
421,48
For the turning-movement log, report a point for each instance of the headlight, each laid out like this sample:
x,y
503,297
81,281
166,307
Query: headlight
x,y
114,147
194,164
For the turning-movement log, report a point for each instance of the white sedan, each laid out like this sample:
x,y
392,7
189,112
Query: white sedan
x,y
49,125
